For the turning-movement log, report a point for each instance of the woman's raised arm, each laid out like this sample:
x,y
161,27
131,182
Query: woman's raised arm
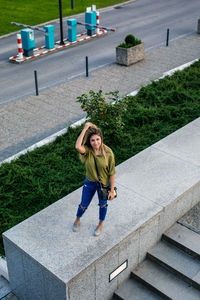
x,y
79,147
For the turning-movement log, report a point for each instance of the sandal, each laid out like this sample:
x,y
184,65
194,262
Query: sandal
x,y
97,232
75,227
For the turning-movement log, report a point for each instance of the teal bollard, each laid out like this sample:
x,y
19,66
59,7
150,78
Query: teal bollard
x,y
49,36
72,31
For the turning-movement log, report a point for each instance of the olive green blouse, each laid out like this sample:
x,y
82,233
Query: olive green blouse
x,y
106,167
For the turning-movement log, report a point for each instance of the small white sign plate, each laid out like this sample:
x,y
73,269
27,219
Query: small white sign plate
x,y
117,271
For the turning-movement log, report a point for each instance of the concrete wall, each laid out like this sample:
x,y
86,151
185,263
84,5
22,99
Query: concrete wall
x,y
46,260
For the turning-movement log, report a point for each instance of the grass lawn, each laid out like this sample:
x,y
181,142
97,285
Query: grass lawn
x,y
37,12
43,176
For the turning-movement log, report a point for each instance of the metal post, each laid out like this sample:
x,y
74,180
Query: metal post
x,y
167,41
72,4
198,26
36,83
86,61
61,23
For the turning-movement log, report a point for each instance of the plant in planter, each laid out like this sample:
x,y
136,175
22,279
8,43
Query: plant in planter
x,y
130,51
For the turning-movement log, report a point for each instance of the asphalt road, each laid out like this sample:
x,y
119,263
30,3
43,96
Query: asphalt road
x,y
146,19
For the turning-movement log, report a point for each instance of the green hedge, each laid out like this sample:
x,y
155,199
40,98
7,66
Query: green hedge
x,y
47,174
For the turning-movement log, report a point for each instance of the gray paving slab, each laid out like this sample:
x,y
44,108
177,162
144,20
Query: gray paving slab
x,y
191,219
196,122
21,143
39,110
175,144
161,183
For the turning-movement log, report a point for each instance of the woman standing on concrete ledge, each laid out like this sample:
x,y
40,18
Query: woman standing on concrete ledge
x,y
91,149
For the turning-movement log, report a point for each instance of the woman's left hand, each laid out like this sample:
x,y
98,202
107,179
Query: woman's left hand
x,y
111,195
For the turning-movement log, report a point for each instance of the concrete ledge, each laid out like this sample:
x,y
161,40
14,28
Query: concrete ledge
x,y
46,260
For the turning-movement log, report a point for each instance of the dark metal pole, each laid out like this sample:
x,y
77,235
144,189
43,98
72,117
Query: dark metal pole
x,y
167,41
86,61
36,83
61,23
72,4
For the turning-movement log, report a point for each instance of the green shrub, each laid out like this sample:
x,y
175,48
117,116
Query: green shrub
x,y
124,45
130,41
137,42
101,111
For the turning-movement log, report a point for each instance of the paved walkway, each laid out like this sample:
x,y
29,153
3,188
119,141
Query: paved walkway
x,y
29,120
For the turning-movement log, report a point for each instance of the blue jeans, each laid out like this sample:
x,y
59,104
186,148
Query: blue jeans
x,y
88,192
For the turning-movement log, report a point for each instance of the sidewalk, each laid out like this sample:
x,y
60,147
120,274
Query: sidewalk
x,y
27,121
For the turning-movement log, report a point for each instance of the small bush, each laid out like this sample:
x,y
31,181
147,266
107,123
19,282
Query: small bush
x,y
130,41
137,42
105,114
124,45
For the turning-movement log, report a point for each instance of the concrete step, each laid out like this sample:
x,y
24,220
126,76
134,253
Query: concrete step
x,y
10,297
184,238
164,283
4,288
177,261
3,268
134,290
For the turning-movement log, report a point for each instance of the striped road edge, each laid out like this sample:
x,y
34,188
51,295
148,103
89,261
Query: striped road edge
x,y
23,59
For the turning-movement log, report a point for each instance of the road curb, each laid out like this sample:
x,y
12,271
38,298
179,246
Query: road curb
x,y
52,137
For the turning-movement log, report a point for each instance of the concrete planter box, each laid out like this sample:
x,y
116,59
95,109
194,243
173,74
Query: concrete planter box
x,y
129,56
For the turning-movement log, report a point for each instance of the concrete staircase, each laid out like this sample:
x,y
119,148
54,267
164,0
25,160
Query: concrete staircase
x,y
5,290
171,270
